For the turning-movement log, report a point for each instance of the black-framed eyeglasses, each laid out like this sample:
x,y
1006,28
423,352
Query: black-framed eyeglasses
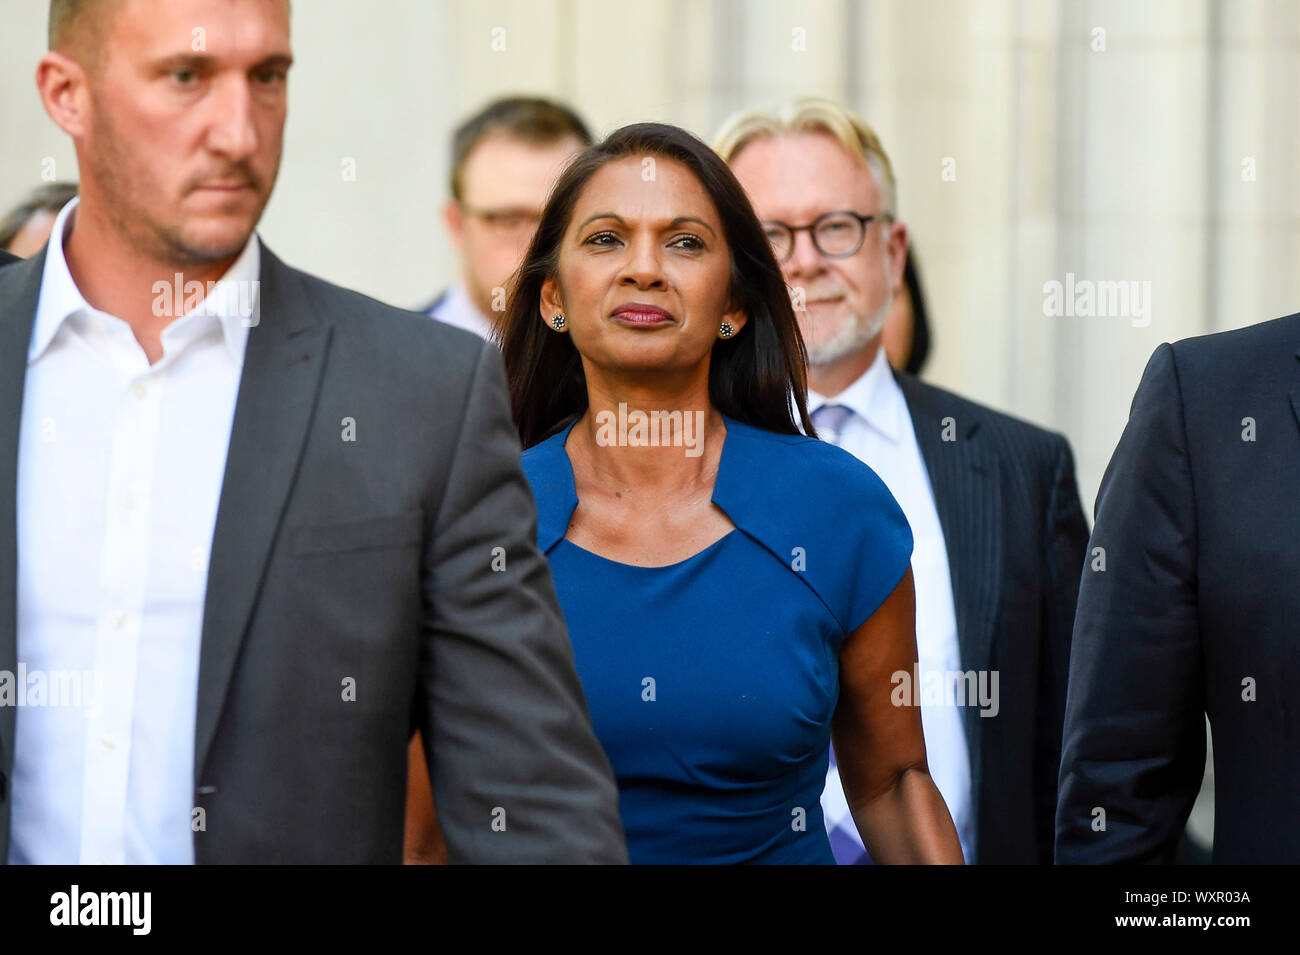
x,y
836,234
506,219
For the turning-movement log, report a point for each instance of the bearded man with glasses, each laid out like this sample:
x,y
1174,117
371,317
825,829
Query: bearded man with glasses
x,y
992,502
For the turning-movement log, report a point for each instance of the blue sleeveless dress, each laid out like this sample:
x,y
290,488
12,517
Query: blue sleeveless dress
x,y
712,682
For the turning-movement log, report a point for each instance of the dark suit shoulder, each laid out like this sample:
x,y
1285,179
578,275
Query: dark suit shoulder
x,y
934,402
428,308
1240,355
16,272
351,308
407,362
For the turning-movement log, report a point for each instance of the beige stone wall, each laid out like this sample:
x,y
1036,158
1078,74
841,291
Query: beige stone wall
x,y
1122,155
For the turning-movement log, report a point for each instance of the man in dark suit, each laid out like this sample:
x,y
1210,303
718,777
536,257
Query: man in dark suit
x,y
1189,609
272,527
999,532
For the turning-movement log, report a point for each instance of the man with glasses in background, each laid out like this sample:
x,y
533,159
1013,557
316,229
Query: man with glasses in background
x,y
999,532
504,160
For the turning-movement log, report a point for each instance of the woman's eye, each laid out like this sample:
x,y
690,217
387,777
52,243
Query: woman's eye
x,y
691,243
184,77
602,238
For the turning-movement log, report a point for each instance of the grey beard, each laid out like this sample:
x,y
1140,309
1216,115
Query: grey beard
x,y
851,337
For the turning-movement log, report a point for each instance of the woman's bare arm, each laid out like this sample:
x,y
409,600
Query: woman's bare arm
x,y
423,843
879,746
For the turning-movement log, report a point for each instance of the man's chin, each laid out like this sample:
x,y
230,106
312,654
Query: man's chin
x,y
837,347
822,357
827,341
831,336
213,242
216,225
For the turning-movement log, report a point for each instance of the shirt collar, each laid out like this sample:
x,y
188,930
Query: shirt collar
x,y
459,310
235,303
874,396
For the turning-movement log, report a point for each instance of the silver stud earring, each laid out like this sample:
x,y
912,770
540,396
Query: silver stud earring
x,y
726,330
558,322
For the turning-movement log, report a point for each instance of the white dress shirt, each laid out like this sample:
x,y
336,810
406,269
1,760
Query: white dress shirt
x,y
457,309
879,432
120,466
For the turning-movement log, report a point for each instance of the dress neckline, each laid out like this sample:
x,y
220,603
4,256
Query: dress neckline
x,y
755,471
563,437
677,565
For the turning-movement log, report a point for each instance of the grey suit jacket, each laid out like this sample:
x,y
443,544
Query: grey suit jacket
x,y
401,564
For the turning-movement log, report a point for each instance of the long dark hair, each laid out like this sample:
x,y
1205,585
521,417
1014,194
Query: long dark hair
x,y
754,377
920,316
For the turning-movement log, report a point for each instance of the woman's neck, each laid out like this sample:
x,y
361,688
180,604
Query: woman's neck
x,y
649,446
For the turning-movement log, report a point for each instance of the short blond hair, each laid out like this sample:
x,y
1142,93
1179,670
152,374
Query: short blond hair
x,y
78,26
814,115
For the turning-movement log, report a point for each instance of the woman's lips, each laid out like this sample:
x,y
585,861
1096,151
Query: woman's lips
x,y
641,315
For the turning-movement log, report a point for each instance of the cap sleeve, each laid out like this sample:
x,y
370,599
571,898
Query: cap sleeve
x,y
877,547
827,516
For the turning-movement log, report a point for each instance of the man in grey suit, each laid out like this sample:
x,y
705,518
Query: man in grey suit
x,y
272,527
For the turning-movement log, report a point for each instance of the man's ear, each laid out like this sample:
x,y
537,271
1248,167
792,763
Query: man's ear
x,y
65,92
896,249
454,220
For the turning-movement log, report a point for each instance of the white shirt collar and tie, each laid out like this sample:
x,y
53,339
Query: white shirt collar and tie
x,y
457,309
829,421
870,419
872,401
120,466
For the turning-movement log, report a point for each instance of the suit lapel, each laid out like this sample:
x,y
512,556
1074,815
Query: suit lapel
x,y
1295,398
20,287
968,497
277,396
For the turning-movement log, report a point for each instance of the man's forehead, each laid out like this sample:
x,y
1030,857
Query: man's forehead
x,y
803,172
233,29
502,170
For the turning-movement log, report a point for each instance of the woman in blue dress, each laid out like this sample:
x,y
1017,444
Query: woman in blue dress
x,y
736,593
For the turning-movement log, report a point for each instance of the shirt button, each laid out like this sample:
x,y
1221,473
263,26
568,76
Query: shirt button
x,y
119,619
140,390
128,501
107,743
